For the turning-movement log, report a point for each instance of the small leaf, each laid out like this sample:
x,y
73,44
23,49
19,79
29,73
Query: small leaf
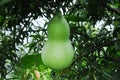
x,y
118,53
1,20
75,18
107,75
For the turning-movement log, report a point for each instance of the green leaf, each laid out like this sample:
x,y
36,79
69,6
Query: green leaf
x,y
118,53
116,5
1,19
31,61
107,75
4,2
75,18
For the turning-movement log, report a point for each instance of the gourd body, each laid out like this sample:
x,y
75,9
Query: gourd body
x,y
58,52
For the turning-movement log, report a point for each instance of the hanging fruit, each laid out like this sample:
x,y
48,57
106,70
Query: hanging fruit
x,y
58,52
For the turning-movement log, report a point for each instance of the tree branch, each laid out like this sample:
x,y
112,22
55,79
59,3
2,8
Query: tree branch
x,y
113,10
104,4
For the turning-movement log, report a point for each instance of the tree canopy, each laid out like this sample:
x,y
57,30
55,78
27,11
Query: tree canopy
x,y
94,34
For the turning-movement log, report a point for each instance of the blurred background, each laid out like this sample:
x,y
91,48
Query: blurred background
x,y
94,34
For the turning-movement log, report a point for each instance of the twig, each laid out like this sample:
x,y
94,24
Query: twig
x,y
113,9
104,4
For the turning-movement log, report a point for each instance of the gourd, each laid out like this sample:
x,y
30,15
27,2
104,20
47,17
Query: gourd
x,y
58,52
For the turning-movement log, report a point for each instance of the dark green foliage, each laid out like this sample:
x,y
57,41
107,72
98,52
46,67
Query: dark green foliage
x,y
97,50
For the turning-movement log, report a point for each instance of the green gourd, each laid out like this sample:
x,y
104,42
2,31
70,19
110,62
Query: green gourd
x,y
58,52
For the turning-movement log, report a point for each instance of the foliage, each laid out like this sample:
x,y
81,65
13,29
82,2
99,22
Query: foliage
x,y
97,50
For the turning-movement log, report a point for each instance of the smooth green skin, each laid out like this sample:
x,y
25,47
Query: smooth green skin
x,y
58,55
58,52
58,28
